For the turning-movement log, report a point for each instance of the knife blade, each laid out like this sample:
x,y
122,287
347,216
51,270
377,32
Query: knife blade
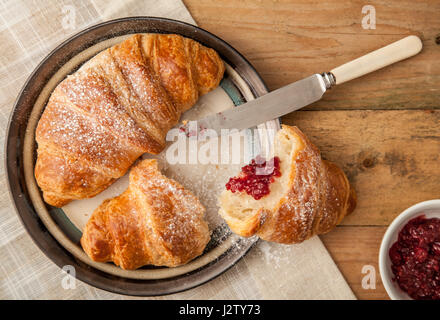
x,y
267,107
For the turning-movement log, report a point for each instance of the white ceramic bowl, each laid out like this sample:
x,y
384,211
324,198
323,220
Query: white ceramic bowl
x,y
431,209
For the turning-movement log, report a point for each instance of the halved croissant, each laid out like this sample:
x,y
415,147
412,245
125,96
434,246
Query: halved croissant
x,y
155,221
117,106
310,197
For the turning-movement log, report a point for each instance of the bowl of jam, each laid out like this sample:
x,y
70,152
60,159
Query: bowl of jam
x,y
409,257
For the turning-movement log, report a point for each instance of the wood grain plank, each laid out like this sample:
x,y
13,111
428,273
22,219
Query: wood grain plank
x,y
289,40
352,258
392,157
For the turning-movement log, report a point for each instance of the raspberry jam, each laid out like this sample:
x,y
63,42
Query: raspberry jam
x,y
415,258
256,177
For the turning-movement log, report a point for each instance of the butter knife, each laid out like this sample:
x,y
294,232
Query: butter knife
x,y
306,91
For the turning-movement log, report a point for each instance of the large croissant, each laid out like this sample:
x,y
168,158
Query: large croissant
x,y
155,221
310,197
117,106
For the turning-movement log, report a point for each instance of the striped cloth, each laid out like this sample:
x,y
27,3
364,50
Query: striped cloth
x,y
29,30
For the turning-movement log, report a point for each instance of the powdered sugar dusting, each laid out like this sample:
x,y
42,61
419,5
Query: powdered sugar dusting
x,y
92,94
277,255
206,181
76,134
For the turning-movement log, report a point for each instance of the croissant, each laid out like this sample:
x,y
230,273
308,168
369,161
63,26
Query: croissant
x,y
117,106
306,195
154,222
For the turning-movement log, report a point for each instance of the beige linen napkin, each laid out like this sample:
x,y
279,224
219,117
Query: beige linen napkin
x,y
28,31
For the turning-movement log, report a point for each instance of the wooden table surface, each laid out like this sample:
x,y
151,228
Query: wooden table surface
x,y
382,129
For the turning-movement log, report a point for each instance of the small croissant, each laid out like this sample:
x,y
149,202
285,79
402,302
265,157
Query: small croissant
x,y
117,106
154,222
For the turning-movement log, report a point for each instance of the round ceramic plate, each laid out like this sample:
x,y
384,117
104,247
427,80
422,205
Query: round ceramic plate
x,y
57,230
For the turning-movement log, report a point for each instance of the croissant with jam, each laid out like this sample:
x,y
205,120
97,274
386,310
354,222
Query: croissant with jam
x,y
299,196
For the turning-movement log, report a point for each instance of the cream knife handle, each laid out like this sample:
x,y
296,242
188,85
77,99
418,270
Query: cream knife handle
x,y
397,51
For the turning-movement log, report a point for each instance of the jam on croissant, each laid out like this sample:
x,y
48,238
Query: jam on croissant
x,y
301,197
